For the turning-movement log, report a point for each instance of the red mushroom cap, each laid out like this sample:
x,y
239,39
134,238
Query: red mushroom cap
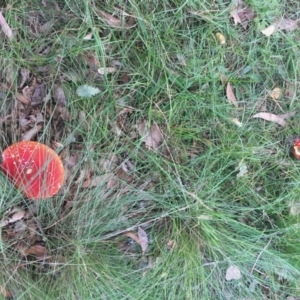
x,y
34,168
296,148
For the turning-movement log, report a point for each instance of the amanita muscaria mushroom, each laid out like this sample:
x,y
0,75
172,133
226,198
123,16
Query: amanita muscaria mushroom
x,y
34,168
296,148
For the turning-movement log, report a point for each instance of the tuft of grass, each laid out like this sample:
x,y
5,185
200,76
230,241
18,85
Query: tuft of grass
x,y
200,217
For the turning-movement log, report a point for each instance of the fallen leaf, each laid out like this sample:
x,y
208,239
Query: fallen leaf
x,y
17,216
59,95
143,237
87,91
88,36
287,24
37,250
23,99
221,38
282,24
290,90
269,30
108,70
27,136
237,122
242,14
230,95
25,75
270,117
171,244
110,20
233,272
152,137
39,94
5,27
223,78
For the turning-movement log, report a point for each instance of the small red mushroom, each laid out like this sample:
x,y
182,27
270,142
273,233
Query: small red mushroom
x,y
34,168
296,148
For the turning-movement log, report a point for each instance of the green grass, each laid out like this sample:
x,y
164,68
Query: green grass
x,y
187,191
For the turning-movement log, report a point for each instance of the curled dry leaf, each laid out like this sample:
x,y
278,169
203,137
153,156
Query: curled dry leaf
x,y
230,95
233,273
270,117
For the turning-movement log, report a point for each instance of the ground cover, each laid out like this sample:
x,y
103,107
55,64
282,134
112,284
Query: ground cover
x,y
174,121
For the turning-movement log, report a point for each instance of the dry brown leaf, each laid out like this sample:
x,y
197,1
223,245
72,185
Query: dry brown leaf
x,y
152,137
5,27
233,272
37,250
39,94
270,117
25,74
23,99
230,95
27,136
143,237
242,14
287,24
110,20
59,95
